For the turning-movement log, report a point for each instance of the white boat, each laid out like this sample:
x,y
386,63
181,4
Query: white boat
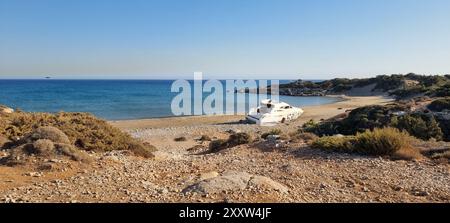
x,y
272,113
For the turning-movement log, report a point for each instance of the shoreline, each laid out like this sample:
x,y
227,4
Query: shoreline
x,y
315,112
338,98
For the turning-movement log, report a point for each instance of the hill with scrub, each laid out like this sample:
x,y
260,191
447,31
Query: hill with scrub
x,y
396,85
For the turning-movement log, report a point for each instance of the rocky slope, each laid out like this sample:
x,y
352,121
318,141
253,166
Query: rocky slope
x,y
180,172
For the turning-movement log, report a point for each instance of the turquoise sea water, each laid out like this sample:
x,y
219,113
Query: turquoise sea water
x,y
108,99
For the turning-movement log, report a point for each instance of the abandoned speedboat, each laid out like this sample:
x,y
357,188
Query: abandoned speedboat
x,y
272,113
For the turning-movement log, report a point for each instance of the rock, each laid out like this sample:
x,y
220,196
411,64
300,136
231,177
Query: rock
x,y
5,110
419,192
229,181
34,174
162,190
148,185
234,181
265,182
272,138
46,166
208,175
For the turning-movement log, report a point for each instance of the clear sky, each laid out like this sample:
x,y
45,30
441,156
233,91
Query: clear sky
x,y
290,39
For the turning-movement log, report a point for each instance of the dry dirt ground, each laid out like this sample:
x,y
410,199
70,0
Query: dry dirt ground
x,y
261,172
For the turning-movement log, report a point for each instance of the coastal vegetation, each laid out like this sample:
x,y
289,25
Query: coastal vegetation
x,y
396,85
411,117
233,140
67,134
440,105
384,142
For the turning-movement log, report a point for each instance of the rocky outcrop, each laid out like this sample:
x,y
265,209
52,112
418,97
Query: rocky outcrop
x,y
234,181
5,110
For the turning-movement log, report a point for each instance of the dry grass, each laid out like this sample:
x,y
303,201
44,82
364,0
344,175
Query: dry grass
x,y
233,140
334,143
47,132
43,147
384,141
142,149
82,130
387,141
73,153
306,137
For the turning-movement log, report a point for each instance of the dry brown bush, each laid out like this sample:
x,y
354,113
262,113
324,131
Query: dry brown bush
x,y
83,130
47,132
43,147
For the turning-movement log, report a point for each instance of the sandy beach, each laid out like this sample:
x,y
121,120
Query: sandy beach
x,y
311,112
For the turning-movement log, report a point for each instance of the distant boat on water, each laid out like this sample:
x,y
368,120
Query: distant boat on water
x,y
48,77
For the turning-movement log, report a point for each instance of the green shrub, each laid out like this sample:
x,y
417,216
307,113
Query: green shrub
x,y
386,141
440,105
444,124
423,126
419,126
334,143
322,129
310,125
442,91
405,93
271,132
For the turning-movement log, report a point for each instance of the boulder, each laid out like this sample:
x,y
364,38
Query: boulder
x,y
230,181
234,181
267,183
208,175
273,138
5,110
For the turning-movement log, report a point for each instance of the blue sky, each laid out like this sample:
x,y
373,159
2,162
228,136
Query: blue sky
x,y
289,39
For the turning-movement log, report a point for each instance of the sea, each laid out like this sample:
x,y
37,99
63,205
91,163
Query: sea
x,y
110,99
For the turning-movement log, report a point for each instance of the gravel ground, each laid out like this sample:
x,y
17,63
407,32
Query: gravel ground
x,y
309,175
